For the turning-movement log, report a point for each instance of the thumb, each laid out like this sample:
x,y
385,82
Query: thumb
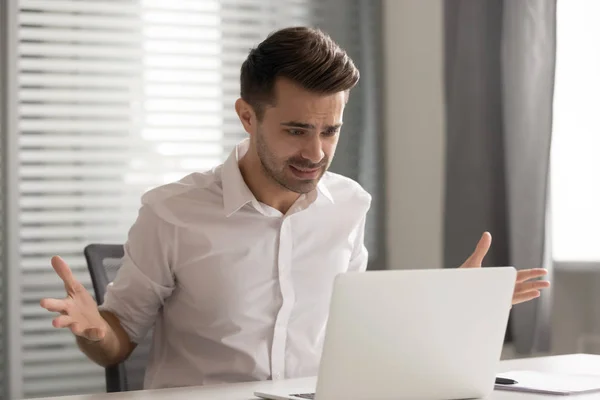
x,y
483,246
94,334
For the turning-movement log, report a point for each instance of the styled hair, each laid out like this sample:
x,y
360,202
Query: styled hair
x,y
306,56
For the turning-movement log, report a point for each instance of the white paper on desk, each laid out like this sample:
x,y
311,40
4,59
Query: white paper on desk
x,y
550,383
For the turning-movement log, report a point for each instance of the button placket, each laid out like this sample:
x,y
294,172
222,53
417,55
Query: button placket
x,y
288,299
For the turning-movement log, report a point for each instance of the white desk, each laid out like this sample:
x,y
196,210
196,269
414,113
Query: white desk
x,y
576,363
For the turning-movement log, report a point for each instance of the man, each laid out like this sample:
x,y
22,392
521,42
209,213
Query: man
x,y
234,267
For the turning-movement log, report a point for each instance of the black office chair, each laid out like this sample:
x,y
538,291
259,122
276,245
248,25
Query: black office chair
x,y
103,261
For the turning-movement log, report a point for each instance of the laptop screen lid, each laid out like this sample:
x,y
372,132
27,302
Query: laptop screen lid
x,y
418,334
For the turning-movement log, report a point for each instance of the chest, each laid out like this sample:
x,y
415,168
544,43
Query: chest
x,y
243,262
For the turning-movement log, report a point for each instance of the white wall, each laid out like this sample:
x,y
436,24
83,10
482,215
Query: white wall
x,y
414,127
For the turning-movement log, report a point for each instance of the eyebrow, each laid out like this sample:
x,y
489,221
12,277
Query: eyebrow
x,y
302,125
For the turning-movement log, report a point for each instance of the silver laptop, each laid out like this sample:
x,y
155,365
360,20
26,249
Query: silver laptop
x,y
416,334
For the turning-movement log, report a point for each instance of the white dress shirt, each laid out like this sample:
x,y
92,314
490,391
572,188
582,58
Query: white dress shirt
x,y
235,290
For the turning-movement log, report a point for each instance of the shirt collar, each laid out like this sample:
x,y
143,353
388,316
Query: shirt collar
x,y
322,188
237,194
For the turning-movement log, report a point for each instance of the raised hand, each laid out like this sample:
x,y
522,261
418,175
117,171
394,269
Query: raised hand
x,y
525,288
79,310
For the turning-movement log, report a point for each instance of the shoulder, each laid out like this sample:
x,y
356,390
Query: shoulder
x,y
173,201
346,191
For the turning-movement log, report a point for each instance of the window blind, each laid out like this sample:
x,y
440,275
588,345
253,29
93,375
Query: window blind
x,y
3,124
116,97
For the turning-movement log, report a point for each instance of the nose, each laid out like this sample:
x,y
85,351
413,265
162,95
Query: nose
x,y
313,150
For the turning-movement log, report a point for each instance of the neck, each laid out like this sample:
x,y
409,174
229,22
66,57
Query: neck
x,y
264,188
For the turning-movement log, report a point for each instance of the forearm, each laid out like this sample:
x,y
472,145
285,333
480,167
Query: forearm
x,y
114,348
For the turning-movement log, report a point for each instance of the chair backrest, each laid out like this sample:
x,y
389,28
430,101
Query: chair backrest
x,y
104,261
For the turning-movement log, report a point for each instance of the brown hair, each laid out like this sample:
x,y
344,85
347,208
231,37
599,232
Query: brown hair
x,y
307,56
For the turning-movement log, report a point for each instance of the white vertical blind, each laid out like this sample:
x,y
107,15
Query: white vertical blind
x,y
115,97
576,133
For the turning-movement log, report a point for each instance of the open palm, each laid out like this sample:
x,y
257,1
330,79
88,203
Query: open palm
x,y
525,287
79,310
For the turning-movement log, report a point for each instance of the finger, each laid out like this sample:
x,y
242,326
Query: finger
x,y
526,274
62,321
76,329
523,297
535,285
54,305
483,246
64,273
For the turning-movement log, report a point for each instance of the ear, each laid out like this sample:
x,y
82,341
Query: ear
x,y
246,115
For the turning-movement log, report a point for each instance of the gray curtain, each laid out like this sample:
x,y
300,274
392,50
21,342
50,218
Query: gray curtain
x,y
356,26
499,73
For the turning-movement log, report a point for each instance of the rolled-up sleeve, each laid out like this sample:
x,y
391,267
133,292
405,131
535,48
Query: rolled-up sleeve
x,y
360,255
145,279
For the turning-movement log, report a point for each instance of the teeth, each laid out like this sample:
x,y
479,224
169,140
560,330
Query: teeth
x,y
305,169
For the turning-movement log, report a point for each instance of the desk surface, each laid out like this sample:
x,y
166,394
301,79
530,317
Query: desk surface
x,y
575,363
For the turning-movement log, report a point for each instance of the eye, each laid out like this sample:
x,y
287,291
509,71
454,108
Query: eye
x,y
295,132
331,132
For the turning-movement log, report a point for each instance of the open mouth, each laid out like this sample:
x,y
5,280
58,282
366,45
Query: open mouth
x,y
305,173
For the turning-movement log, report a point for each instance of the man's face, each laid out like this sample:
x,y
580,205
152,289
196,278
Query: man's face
x,y
297,136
